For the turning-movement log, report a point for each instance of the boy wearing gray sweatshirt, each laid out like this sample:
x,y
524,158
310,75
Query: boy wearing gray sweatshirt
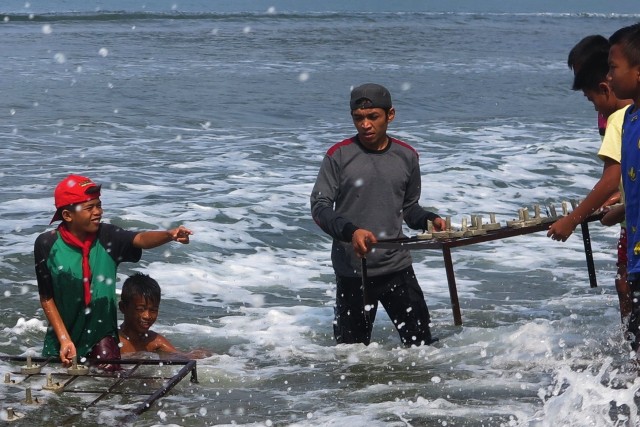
x,y
366,187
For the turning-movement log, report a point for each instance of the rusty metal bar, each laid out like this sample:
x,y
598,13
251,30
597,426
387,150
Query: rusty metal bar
x,y
586,239
365,291
122,377
189,367
164,390
453,289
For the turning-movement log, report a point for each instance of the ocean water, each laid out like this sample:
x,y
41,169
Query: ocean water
x,y
218,118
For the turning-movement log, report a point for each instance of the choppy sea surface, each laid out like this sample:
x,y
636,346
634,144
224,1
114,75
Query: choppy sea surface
x,y
219,121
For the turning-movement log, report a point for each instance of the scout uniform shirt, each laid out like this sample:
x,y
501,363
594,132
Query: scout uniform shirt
x,y
59,274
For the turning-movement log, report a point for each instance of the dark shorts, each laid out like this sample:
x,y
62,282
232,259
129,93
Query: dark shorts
x,y
622,248
106,349
401,297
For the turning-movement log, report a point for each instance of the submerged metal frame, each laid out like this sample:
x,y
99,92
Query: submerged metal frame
x,y
502,233
188,366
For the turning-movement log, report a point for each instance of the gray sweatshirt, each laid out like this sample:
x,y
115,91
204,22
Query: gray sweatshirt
x,y
374,190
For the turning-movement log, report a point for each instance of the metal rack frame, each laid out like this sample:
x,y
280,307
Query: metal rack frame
x,y
445,246
119,378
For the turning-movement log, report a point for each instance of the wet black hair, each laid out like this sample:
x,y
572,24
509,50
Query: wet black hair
x,y
582,51
140,284
629,40
592,72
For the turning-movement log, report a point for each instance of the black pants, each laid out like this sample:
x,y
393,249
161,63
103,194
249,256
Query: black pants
x,y
401,297
634,319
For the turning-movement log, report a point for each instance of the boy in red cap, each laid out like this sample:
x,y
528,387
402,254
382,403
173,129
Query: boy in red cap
x,y
76,271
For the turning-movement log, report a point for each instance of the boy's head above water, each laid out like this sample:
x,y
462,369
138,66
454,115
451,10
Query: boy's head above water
x,y
140,302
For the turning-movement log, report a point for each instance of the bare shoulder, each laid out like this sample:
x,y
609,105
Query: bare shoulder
x,y
158,342
126,346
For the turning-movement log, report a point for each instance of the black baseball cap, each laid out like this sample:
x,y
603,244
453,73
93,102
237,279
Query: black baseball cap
x,y
370,95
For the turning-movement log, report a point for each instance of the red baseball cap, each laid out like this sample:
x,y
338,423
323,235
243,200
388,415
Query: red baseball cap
x,y
72,190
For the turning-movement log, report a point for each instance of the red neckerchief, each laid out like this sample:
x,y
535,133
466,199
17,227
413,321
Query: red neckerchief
x,y
85,247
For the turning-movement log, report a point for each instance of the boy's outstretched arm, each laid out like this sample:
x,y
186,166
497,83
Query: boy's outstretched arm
x,y
601,192
153,239
162,345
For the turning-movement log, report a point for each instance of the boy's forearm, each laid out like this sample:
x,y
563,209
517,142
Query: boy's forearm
x,y
601,192
163,345
53,316
614,216
153,239
592,203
